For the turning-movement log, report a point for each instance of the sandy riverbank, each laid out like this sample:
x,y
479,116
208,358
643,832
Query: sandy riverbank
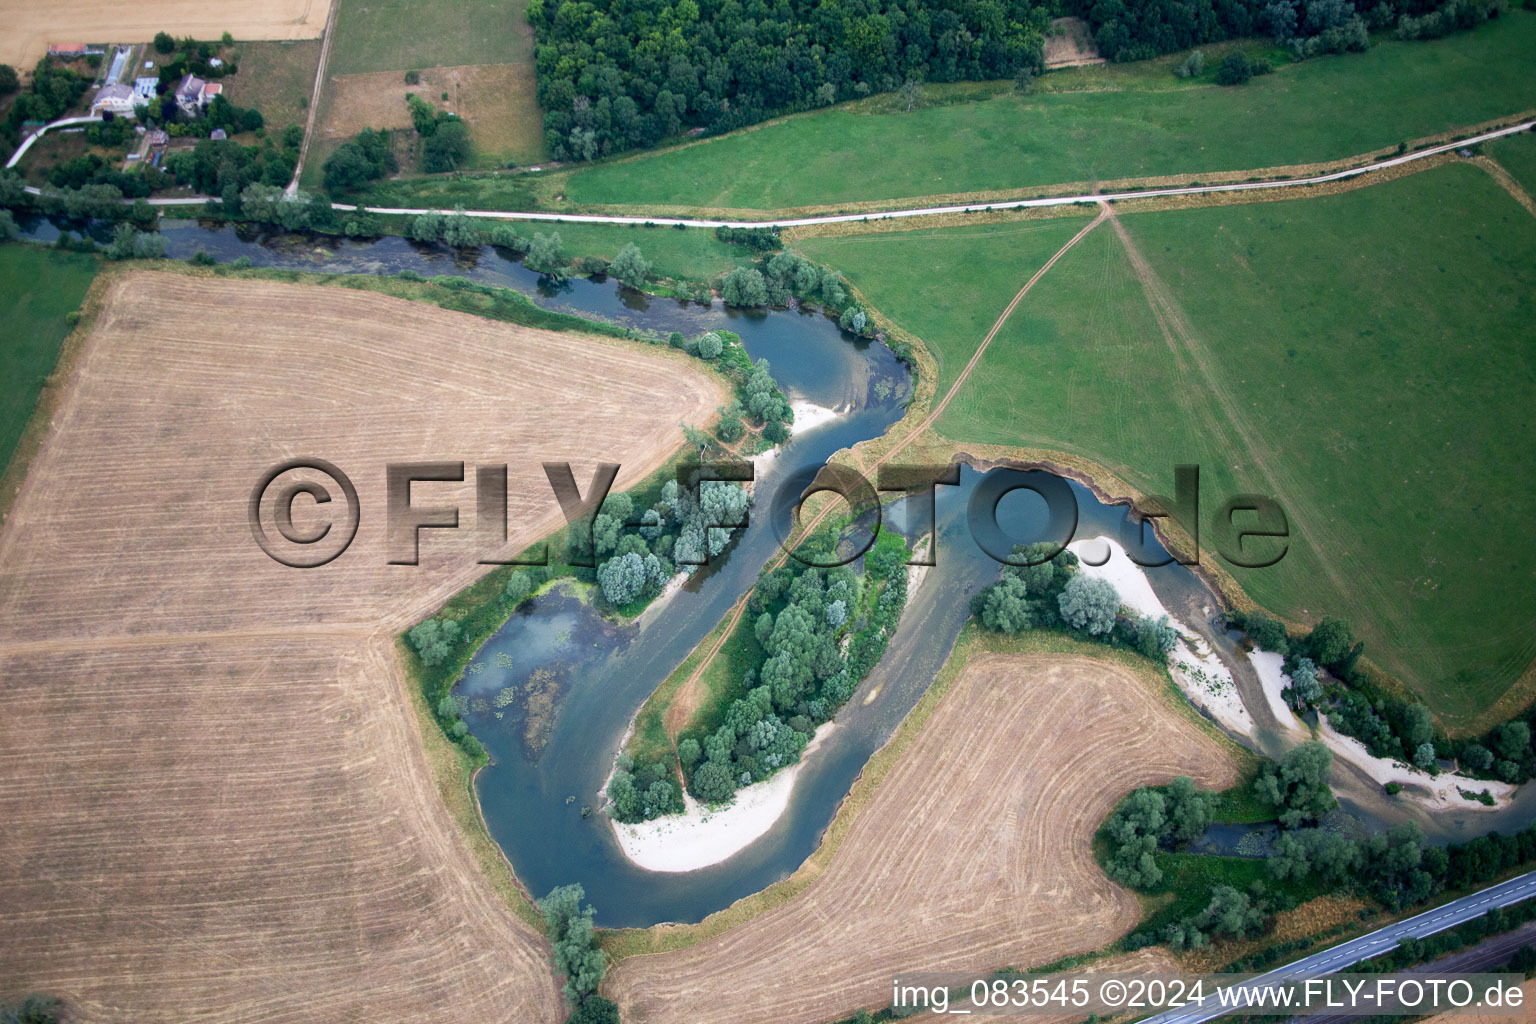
x,y
1196,668
702,836
1441,792
807,417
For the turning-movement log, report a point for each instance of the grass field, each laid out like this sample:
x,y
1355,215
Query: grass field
x,y
1517,154
396,35
476,53
1038,746
276,78
39,288
495,100
1364,358
1119,124
216,756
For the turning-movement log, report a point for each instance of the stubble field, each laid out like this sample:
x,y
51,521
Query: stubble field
x,y
217,805
30,26
974,852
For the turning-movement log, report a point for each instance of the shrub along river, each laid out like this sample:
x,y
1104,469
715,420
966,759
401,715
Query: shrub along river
x,y
553,692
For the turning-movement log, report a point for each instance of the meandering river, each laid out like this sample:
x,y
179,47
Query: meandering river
x,y
580,678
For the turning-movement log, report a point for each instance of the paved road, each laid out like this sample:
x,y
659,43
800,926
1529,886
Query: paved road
x,y
26,144
1347,954
924,211
1485,956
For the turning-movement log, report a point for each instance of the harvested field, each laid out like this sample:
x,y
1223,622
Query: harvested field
x,y
497,101
992,868
31,26
217,806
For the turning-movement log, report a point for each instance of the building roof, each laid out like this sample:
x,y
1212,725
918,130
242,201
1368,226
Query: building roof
x,y
147,85
114,92
191,88
218,133
60,48
212,89
158,137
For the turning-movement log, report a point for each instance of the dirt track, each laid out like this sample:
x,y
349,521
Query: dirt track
x,y
216,804
974,853
30,26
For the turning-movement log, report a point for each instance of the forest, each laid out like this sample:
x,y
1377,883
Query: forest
x,y
625,75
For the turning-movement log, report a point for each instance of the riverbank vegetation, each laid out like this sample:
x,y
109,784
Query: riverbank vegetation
x,y
1216,897
1039,590
1244,325
809,636
1390,724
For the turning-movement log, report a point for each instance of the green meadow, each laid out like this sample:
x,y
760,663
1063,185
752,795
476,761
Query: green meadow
x,y
1517,154
397,35
1367,359
1119,122
39,289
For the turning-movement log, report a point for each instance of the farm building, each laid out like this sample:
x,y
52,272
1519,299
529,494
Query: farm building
x,y
66,49
115,99
193,94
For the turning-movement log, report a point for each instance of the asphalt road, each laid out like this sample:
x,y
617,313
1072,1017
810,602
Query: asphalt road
x,y
1382,940
1490,953
923,211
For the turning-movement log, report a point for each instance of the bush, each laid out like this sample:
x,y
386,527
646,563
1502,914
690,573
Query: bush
x,y
1235,69
164,43
710,346
412,77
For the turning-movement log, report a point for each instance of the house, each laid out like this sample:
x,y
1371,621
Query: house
x,y
146,88
117,100
193,94
157,138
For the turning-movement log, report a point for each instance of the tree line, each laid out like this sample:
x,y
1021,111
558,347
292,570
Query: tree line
x,y
613,77
577,956
1126,30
